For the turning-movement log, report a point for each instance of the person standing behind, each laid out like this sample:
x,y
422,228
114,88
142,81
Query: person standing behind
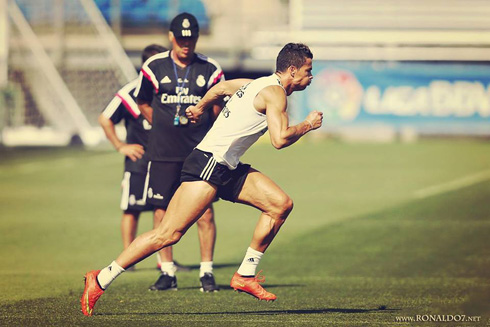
x,y
124,107
169,83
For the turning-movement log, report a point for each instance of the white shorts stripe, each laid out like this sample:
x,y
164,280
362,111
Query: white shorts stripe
x,y
210,161
147,181
210,170
125,190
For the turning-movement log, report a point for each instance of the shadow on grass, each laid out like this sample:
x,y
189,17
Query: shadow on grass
x,y
261,312
228,287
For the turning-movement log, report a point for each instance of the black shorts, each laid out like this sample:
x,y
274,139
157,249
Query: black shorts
x,y
163,181
201,166
133,187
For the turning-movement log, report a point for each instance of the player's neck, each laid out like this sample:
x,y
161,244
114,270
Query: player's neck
x,y
182,62
285,82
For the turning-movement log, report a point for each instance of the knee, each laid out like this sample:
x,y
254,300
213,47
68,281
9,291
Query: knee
x,y
170,238
166,237
287,206
284,205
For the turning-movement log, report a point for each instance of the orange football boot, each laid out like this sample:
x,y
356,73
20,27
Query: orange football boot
x,y
251,286
91,293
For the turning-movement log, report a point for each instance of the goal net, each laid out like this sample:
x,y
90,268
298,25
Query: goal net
x,y
64,66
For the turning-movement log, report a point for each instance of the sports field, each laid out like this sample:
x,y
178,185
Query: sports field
x,y
380,233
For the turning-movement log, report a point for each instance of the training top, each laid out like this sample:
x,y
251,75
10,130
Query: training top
x,y
239,124
160,87
123,106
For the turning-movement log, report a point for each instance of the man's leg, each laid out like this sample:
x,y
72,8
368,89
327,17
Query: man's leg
x,y
261,192
206,229
167,279
165,253
207,237
129,226
188,204
163,181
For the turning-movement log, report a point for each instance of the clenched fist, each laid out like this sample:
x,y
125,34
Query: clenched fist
x,y
193,113
315,119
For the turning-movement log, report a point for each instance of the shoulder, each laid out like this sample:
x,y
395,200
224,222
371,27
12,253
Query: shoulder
x,y
208,60
156,60
273,92
269,84
273,96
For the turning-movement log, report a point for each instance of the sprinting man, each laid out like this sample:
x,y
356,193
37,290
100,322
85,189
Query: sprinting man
x,y
213,169
124,107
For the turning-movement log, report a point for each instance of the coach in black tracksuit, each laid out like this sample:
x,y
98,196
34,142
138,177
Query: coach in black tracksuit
x,y
169,83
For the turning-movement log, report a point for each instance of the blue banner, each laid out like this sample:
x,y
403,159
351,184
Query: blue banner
x,y
430,97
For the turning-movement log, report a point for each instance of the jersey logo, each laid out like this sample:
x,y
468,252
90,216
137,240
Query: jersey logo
x,y
241,91
146,125
226,112
200,81
165,80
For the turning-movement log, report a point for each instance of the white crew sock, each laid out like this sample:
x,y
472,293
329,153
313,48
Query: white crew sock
x,y
250,262
206,267
108,274
169,268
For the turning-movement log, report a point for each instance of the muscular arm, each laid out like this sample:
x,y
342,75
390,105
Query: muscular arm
x,y
133,151
274,100
146,110
214,96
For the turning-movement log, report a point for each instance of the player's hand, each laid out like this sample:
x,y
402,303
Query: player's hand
x,y
193,113
133,151
315,118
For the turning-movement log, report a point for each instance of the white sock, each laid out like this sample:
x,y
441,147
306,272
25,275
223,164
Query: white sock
x,y
206,267
108,274
169,268
250,262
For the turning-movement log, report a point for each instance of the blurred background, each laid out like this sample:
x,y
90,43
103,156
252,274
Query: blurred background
x,y
384,70
391,195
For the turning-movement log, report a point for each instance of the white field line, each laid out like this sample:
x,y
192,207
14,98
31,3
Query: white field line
x,y
453,185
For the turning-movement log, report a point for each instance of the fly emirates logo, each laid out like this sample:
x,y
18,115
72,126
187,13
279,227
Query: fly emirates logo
x,y
182,97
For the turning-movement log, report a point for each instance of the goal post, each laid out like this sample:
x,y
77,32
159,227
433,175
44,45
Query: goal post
x,y
64,66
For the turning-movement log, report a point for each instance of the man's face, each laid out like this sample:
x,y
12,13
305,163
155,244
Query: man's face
x,y
302,77
183,47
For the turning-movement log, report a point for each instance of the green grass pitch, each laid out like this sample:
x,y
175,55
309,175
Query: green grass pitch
x,y
359,249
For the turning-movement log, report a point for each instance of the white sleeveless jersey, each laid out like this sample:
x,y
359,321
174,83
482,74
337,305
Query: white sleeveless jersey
x,y
239,124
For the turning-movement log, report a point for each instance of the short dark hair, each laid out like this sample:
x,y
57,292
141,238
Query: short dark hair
x,y
151,50
292,54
